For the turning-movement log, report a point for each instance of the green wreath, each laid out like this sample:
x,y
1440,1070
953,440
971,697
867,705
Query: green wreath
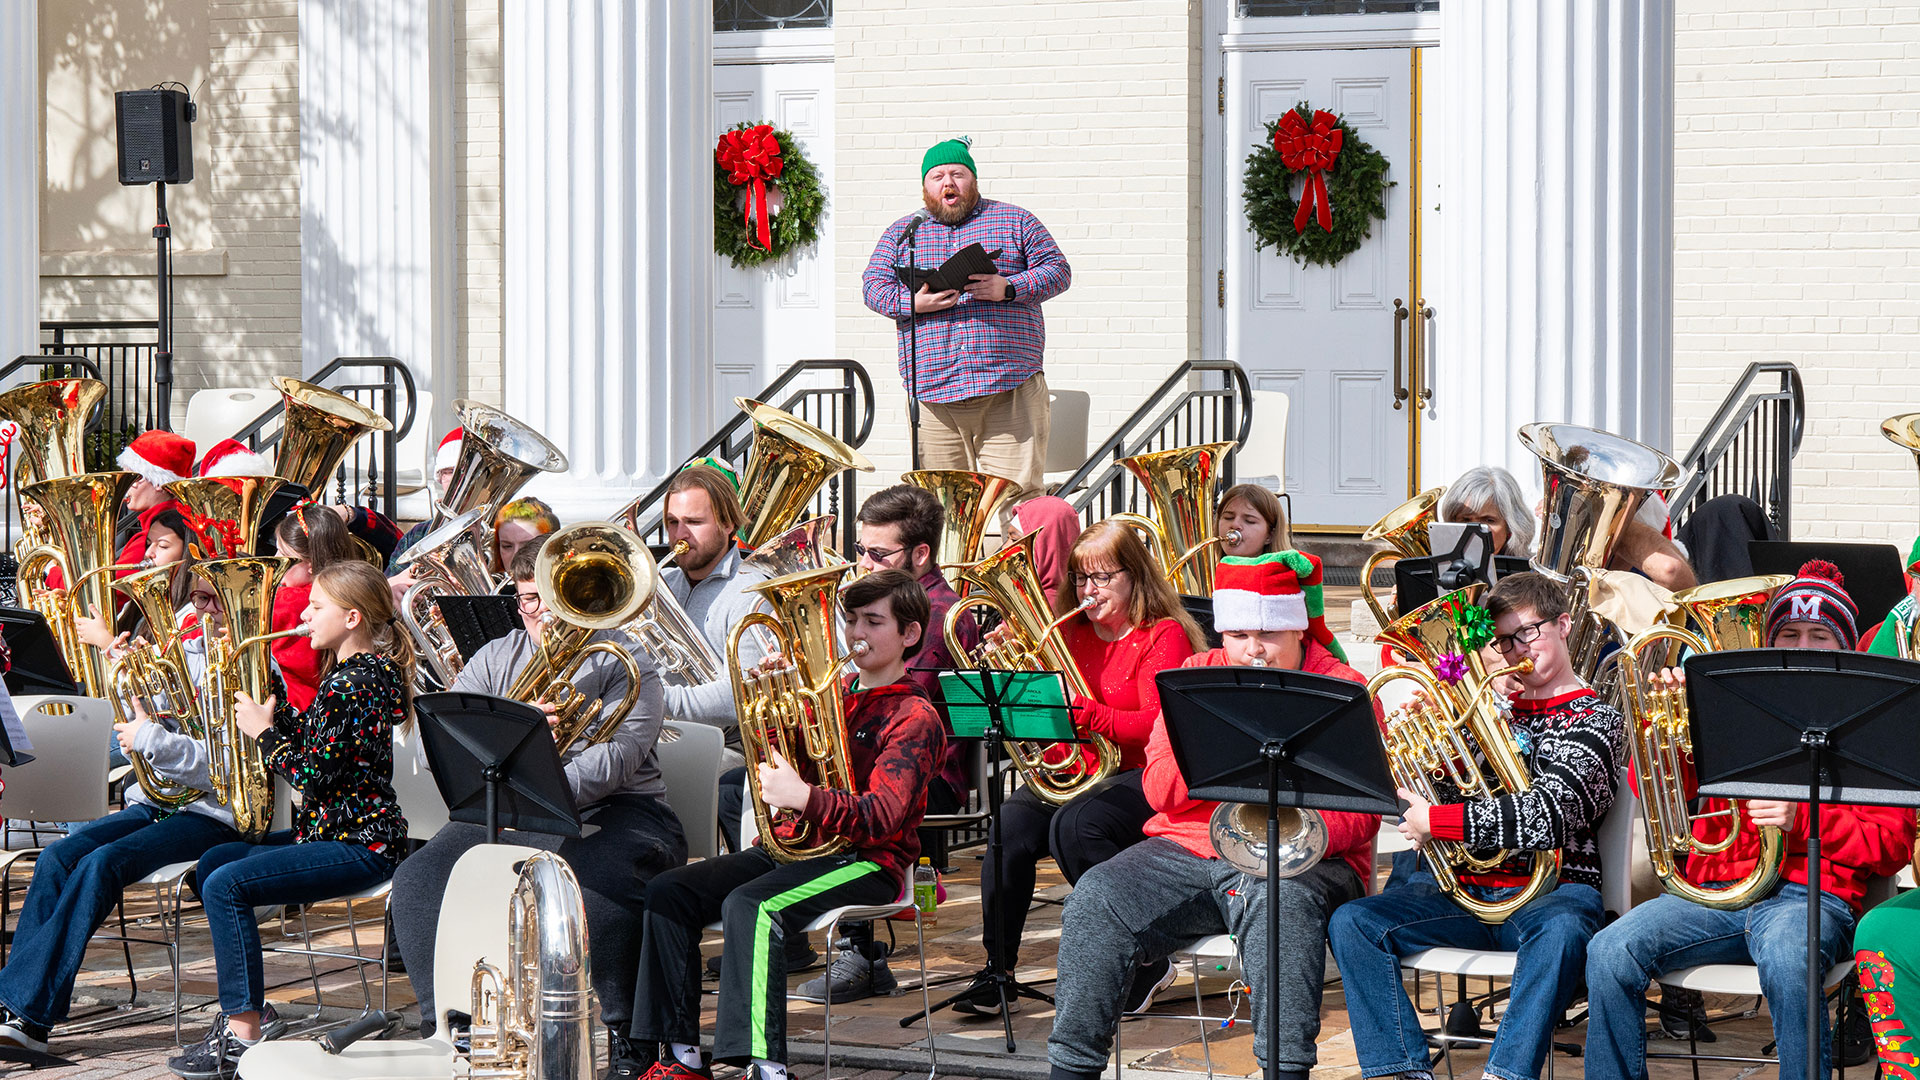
x,y
1355,185
797,222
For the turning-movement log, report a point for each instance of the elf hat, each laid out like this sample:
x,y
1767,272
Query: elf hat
x,y
448,453
230,457
1913,558
1277,591
1817,594
950,152
158,457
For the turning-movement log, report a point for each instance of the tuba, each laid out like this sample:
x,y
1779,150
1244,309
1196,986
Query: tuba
x,y
1730,615
80,513
789,461
498,455
806,546
226,510
448,561
1594,483
1404,531
238,659
154,674
796,710
1007,583
1180,484
534,1019
53,426
1435,740
972,500
1904,431
317,428
658,624
587,576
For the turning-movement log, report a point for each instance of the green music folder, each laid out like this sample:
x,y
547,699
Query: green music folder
x,y
1033,704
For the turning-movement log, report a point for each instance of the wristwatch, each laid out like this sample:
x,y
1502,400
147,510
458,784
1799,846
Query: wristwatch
x,y
1009,290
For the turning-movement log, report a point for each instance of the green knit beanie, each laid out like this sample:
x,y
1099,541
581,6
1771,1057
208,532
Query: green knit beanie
x,y
951,152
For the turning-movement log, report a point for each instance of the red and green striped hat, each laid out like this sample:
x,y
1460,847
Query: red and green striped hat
x,y
1280,590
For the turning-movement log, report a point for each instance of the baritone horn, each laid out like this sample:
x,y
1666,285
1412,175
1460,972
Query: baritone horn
x,y
1731,615
154,674
588,558
80,512
318,426
592,576
1180,484
1404,531
238,659
795,709
533,1019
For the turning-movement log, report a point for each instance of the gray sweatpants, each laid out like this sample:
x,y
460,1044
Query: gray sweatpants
x,y
1156,897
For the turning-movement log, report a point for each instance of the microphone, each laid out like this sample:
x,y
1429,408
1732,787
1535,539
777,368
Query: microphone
x,y
913,223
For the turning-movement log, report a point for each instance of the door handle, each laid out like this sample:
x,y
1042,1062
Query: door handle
x,y
1428,355
1400,316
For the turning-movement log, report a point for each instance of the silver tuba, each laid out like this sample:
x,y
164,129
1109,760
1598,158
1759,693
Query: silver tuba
x,y
498,455
533,1020
1593,484
1239,835
448,561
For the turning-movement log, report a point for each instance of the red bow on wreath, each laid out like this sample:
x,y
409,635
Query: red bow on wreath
x,y
1312,148
752,155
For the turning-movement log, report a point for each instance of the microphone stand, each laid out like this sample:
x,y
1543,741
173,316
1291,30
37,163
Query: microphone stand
x,y
913,343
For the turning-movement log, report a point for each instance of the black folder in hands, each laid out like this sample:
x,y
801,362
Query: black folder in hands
x,y
953,274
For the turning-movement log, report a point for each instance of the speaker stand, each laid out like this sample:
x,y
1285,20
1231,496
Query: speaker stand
x,y
163,348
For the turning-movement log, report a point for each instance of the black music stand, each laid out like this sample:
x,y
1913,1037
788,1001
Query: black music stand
x,y
996,706
495,763
38,667
1279,738
475,621
1805,725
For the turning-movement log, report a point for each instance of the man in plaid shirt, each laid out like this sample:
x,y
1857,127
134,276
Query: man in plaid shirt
x,y
980,349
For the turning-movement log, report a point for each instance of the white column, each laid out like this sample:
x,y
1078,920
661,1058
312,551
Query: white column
x,y
1553,292
609,238
376,187
19,180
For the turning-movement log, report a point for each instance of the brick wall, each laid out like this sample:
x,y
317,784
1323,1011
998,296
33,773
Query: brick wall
x,y
1087,116
1797,236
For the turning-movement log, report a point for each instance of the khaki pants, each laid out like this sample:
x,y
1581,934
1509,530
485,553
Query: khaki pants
x,y
1002,434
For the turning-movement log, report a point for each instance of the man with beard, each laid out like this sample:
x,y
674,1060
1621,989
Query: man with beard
x,y
980,348
711,583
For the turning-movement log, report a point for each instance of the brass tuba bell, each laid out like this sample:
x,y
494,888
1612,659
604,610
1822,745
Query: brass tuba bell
x,y
1404,531
226,510
971,501
789,461
806,546
53,419
317,428
589,576
1180,484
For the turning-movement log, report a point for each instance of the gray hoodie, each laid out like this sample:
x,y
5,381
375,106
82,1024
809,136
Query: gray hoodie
x,y
714,605
625,763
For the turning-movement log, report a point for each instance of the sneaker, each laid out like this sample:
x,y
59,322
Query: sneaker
x,y
627,1060
271,1026
215,1057
983,999
17,1030
669,1069
1148,980
1685,1015
851,977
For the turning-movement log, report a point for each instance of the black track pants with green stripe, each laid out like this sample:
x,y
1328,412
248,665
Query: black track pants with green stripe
x,y
757,900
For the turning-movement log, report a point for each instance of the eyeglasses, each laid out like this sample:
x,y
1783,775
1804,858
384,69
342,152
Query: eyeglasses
x,y
1526,635
1100,578
878,555
202,601
529,601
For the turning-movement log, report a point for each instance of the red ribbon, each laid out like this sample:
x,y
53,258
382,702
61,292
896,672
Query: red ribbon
x,y
1312,148
208,530
752,156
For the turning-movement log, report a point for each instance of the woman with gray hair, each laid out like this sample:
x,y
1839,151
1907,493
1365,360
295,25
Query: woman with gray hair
x,y
1489,495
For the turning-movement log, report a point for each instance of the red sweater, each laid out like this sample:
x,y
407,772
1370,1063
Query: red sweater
x,y
895,740
1856,843
1184,820
299,664
1125,699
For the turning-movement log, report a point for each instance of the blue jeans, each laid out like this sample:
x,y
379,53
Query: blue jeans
x,y
1371,934
1668,933
76,883
236,878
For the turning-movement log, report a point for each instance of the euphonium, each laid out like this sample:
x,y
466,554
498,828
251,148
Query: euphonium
x,y
1404,531
789,461
1594,483
53,426
533,1020
80,515
972,500
1434,739
659,626
498,455
797,709
317,428
153,672
1180,484
448,561
1007,583
238,659
588,576
1731,615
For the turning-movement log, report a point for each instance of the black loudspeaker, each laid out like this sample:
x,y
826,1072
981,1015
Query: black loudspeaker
x,y
156,136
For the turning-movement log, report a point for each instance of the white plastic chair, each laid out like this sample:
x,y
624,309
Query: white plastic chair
x,y
414,786
1067,413
413,465
689,756
217,413
474,929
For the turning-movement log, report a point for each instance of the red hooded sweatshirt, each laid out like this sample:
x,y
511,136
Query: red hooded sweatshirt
x,y
1126,699
299,664
1059,526
1184,820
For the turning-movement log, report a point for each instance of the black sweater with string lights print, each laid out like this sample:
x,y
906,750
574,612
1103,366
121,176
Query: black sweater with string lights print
x,y
339,755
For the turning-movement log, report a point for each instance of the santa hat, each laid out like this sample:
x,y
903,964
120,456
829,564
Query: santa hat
x,y
1277,591
158,457
447,455
230,457
1817,594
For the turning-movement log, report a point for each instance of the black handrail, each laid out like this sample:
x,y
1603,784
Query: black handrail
x,y
1174,415
851,423
1747,448
373,460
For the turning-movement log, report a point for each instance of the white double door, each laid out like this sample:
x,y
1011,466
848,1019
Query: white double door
x,y
767,317
1325,336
